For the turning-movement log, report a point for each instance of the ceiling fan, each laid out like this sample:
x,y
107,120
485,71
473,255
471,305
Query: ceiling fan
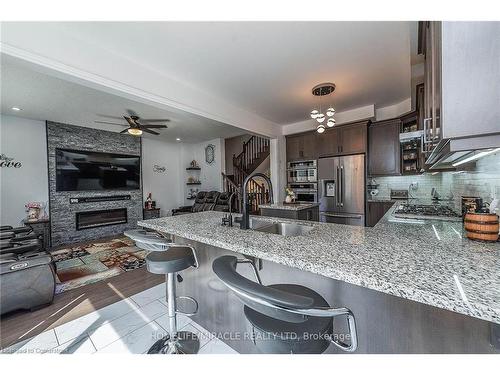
x,y
136,125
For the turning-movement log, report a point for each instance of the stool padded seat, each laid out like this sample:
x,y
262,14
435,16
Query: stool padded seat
x,y
279,336
175,259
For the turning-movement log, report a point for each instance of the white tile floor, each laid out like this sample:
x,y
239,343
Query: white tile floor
x,y
128,326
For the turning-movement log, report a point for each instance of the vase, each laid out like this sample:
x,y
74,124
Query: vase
x,y
288,199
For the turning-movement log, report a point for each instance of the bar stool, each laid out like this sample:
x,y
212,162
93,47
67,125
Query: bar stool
x,y
285,318
167,258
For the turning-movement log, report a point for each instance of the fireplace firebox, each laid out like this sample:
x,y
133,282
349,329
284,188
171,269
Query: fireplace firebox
x,y
100,218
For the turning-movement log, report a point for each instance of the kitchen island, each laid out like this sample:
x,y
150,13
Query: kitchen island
x,y
412,287
298,211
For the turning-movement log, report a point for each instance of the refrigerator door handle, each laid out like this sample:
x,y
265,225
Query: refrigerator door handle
x,y
337,187
342,186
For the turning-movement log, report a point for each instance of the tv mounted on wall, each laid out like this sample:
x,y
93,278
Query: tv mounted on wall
x,y
88,170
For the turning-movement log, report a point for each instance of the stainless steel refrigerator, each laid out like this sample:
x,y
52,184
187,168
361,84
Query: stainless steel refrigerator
x,y
341,188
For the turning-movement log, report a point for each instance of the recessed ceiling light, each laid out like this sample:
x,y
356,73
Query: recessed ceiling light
x,y
177,139
16,109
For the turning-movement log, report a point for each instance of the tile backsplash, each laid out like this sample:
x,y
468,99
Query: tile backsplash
x,y
483,181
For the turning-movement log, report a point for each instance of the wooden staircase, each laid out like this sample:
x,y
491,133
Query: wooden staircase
x,y
255,151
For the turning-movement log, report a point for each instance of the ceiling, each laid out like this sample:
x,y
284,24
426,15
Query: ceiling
x,y
268,68
44,97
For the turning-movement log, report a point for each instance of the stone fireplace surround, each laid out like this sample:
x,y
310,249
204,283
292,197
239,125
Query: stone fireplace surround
x,y
63,213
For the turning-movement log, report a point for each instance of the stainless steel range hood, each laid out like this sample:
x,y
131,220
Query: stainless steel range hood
x,y
451,151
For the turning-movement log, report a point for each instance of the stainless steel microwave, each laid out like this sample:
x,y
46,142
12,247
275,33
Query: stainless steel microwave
x,y
302,171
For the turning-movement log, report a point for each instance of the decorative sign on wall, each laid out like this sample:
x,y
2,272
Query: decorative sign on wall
x,y
159,169
6,162
210,154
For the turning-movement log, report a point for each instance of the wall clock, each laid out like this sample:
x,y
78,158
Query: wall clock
x,y
210,154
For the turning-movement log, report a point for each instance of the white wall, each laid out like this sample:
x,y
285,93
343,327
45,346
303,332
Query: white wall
x,y
25,141
392,111
165,187
210,174
278,167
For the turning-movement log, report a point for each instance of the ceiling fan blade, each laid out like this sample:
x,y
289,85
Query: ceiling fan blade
x,y
111,123
155,120
154,126
149,131
130,121
112,117
124,131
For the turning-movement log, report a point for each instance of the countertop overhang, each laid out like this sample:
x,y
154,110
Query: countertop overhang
x,y
289,207
430,263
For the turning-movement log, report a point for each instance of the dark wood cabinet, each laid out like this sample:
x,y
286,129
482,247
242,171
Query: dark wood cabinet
x,y
384,152
375,211
328,144
150,213
308,147
352,138
340,140
293,147
307,214
301,146
343,140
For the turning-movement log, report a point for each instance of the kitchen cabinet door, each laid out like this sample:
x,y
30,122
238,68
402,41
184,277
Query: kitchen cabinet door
x,y
352,138
470,78
301,147
328,143
310,214
292,148
308,149
375,211
384,152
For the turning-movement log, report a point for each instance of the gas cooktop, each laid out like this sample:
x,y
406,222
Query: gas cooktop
x,y
426,211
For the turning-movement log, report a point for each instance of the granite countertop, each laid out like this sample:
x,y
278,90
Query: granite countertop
x,y
430,263
289,207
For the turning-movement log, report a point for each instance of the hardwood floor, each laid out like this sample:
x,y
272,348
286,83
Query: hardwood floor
x,y
73,304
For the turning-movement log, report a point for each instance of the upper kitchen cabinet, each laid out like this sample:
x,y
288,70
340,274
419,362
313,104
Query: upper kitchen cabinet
x,y
328,144
384,157
343,140
462,90
352,138
292,147
301,146
470,78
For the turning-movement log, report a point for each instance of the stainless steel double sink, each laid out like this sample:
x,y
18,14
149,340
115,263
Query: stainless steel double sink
x,y
281,228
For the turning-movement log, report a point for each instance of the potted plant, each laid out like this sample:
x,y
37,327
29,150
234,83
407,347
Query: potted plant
x,y
290,195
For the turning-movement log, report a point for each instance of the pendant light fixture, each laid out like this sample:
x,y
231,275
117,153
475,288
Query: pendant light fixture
x,y
320,91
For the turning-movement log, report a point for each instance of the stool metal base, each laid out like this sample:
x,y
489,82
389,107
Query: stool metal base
x,y
185,343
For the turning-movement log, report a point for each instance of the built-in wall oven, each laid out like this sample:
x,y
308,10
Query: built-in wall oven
x,y
302,171
305,192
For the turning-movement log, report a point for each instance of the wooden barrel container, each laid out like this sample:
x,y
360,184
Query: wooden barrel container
x,y
481,226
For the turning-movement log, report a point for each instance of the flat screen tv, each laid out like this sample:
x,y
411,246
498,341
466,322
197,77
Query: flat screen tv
x,y
87,170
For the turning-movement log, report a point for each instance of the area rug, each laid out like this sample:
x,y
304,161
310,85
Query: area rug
x,y
92,262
